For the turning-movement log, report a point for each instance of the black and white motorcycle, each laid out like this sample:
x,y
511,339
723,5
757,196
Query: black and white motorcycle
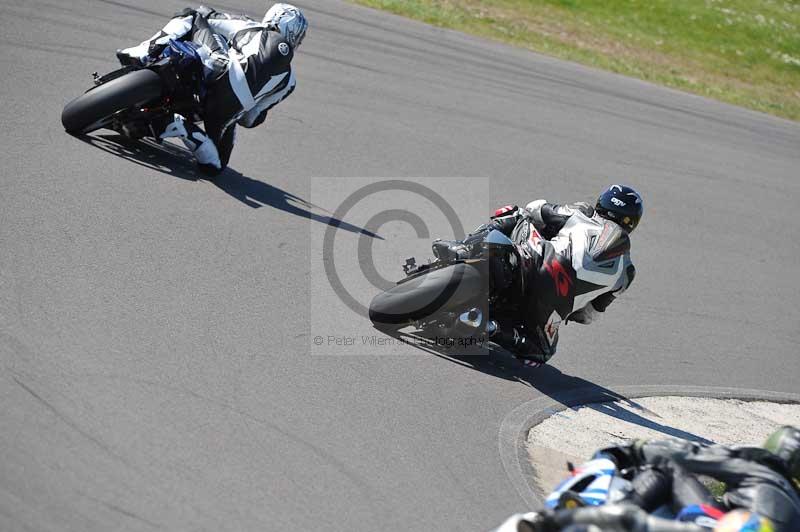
x,y
134,100
453,296
497,278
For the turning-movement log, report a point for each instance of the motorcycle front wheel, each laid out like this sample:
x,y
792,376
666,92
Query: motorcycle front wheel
x,y
94,109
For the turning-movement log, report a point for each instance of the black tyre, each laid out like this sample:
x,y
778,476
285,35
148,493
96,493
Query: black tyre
x,y
444,289
91,111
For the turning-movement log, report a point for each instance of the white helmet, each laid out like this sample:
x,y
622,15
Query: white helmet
x,y
288,20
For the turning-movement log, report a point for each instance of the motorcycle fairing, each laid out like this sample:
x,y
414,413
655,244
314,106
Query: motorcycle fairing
x,y
592,482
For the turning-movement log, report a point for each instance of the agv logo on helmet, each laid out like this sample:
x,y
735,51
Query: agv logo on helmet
x,y
615,204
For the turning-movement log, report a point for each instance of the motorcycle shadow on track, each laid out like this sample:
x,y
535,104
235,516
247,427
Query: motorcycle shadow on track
x,y
165,158
175,161
568,390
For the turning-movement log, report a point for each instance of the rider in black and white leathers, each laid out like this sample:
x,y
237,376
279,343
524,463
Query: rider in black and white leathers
x,y
247,69
755,479
577,263
573,263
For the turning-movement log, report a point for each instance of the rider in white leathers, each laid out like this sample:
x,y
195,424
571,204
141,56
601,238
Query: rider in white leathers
x,y
574,261
246,67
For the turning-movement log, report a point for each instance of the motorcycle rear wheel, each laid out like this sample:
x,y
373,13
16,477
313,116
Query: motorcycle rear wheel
x,y
94,109
446,289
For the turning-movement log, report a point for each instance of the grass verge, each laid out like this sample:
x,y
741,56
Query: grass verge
x,y
745,52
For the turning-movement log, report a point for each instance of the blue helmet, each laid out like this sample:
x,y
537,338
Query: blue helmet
x,y
621,204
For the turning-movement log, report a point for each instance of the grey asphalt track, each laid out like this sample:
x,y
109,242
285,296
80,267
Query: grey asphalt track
x,y
154,328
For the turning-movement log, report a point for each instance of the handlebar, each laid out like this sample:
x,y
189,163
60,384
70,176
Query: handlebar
x,y
609,518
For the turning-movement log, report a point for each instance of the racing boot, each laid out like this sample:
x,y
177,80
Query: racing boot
x,y
195,139
141,54
135,55
527,351
449,250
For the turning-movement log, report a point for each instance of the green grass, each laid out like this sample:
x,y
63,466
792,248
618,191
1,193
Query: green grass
x,y
715,487
746,52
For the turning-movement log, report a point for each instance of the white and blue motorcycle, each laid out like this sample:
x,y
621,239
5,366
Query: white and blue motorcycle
x,y
599,496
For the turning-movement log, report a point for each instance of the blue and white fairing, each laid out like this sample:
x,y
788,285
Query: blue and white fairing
x,y
596,482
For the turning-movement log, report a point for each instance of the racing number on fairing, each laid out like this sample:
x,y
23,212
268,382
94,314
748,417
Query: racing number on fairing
x,y
561,278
